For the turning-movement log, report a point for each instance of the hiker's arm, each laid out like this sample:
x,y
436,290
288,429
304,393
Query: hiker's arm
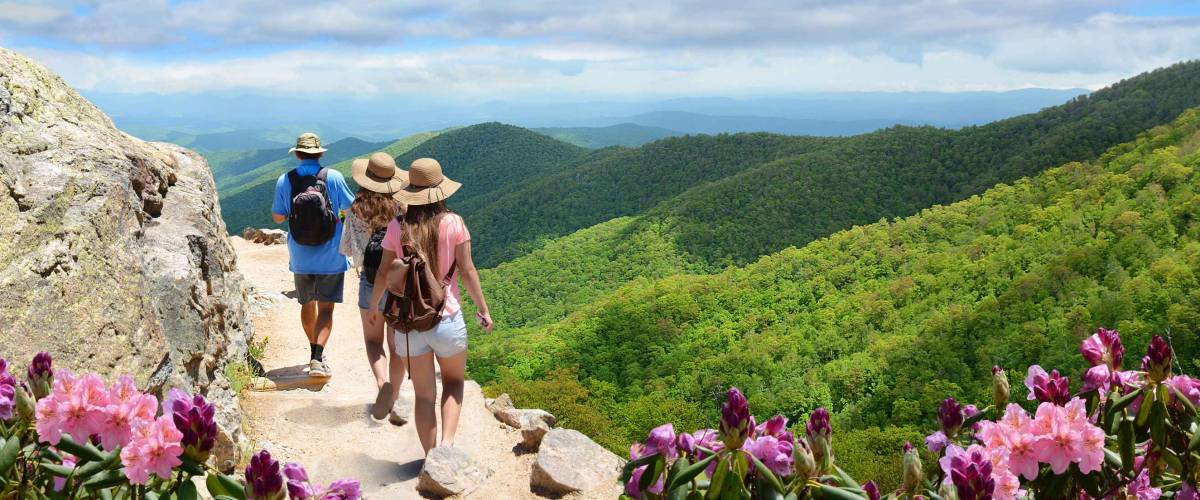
x,y
381,275
470,277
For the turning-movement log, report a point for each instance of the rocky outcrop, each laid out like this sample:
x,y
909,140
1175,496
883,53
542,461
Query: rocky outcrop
x,y
113,254
450,471
265,236
568,462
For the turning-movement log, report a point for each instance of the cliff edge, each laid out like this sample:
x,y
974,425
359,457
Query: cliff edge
x,y
113,253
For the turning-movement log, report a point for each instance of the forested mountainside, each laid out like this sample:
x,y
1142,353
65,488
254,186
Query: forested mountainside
x,y
880,322
616,182
819,186
622,134
493,158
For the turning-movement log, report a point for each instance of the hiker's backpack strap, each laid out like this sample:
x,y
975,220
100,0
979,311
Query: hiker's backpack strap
x,y
322,174
294,182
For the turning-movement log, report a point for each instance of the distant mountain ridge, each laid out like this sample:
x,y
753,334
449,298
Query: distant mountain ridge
x,y
621,134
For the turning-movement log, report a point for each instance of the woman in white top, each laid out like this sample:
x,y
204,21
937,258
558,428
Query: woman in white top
x,y
362,236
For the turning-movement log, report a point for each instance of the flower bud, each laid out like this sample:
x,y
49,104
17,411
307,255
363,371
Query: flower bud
x,y
735,419
950,416
820,439
948,492
913,471
40,374
264,479
26,406
871,490
1157,362
194,419
1000,390
802,456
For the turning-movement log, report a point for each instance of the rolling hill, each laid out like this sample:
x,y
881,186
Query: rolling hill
x,y
728,199
621,134
880,322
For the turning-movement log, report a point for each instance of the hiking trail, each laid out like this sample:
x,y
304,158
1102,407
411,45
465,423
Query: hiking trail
x,y
329,428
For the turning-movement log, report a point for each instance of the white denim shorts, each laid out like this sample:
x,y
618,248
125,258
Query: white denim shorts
x,y
446,339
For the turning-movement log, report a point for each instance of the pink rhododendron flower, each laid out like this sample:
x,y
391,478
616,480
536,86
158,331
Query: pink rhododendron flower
x,y
1140,487
1186,386
154,449
127,408
775,454
1103,348
75,406
936,442
69,462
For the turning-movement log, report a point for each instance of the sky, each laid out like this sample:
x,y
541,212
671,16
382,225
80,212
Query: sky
x,y
538,49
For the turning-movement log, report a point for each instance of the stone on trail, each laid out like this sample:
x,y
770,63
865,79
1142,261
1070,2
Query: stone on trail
x,y
521,418
501,403
568,462
450,471
531,436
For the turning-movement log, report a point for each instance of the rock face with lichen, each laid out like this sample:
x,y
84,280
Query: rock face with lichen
x,y
113,254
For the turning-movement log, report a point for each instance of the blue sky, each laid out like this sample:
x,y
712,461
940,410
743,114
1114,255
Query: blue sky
x,y
534,49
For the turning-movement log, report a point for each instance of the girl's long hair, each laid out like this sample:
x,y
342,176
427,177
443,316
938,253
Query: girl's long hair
x,y
375,209
421,230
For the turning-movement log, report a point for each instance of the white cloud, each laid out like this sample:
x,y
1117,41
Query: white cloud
x,y
492,49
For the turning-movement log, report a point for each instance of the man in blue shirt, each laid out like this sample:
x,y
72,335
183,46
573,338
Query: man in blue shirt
x,y
318,269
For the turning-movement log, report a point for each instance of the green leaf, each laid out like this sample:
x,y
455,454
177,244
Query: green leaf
x,y
1194,444
187,491
1186,402
1158,423
84,453
652,473
975,418
105,479
765,490
679,464
718,480
836,493
845,478
686,474
1112,458
1125,444
57,470
766,473
8,454
151,495
220,484
1143,414
1120,403
191,466
632,465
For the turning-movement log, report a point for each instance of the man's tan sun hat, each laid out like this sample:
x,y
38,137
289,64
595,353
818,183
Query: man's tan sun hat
x,y
378,173
426,184
308,142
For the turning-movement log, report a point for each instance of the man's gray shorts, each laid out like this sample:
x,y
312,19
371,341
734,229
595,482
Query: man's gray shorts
x,y
319,287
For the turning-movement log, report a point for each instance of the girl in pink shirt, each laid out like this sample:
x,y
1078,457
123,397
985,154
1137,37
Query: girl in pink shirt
x,y
442,238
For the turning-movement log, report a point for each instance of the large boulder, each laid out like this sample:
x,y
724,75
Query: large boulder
x,y
568,461
450,471
113,254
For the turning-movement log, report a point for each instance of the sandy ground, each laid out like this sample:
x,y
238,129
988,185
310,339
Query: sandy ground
x,y
329,428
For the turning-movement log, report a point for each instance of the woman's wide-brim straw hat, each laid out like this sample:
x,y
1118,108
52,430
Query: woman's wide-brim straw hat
x,y
378,173
426,184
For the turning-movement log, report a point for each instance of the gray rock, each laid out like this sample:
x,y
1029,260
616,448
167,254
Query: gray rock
x,y
522,418
450,471
568,461
113,254
501,403
531,435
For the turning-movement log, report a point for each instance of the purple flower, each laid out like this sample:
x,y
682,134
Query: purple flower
x,y
342,489
1141,489
686,443
633,486
871,490
735,419
264,479
970,471
297,481
1157,362
1187,492
936,442
194,418
950,416
775,454
662,441
1047,387
1186,386
775,426
820,439
1103,348
8,400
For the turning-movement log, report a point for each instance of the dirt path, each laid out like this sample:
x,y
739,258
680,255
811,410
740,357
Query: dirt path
x,y
329,429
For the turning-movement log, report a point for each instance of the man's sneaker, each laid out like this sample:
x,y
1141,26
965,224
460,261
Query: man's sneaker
x,y
318,368
383,401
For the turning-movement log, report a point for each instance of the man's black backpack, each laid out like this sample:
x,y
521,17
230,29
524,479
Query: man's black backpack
x,y
312,221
